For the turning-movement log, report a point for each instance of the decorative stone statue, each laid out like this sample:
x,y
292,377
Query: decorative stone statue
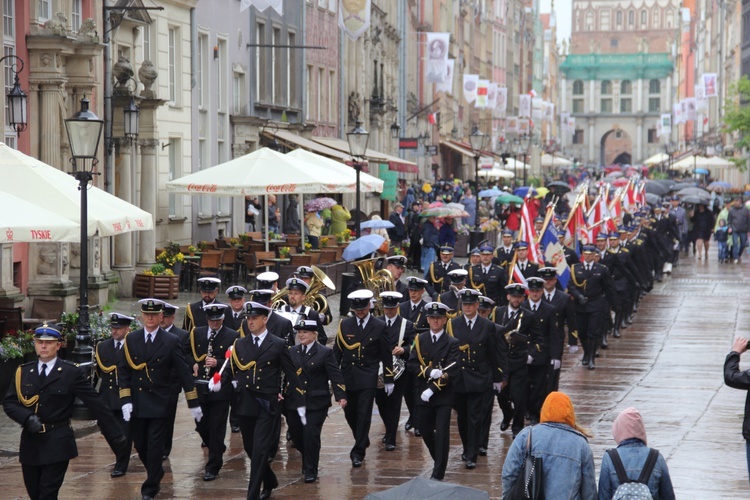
x,y
147,75
57,25
88,28
354,107
122,71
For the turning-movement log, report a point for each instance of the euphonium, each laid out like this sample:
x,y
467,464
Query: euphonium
x,y
375,281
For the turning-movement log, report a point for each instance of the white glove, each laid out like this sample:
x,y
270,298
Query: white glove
x,y
497,386
197,413
322,318
436,373
555,364
426,395
127,409
234,384
302,412
214,387
573,349
388,389
529,360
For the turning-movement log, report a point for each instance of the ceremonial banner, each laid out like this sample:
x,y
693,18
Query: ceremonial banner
x,y
524,105
690,106
502,99
437,57
354,17
536,109
552,252
492,96
564,125
470,87
447,84
511,125
549,112
666,123
482,89
710,85
523,126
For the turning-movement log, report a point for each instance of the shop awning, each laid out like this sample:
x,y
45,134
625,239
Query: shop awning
x,y
294,141
458,149
394,163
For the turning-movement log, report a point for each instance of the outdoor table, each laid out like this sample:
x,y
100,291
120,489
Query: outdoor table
x,y
276,262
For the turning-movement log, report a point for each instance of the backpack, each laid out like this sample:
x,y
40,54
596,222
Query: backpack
x,y
630,489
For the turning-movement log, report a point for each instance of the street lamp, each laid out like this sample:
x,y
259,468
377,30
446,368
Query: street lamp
x,y
476,139
395,129
84,132
357,140
524,143
17,99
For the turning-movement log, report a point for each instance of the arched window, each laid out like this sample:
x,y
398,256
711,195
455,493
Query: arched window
x,y
606,87
578,87
654,87
618,18
626,87
670,18
644,18
657,19
626,101
631,18
589,21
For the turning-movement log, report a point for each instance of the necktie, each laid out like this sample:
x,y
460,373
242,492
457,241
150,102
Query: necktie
x,y
413,308
511,315
469,323
118,345
388,323
362,324
549,298
434,339
533,307
484,271
43,373
236,315
149,343
257,341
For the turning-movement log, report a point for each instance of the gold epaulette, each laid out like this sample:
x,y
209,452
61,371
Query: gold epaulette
x,y
27,402
449,327
124,393
191,395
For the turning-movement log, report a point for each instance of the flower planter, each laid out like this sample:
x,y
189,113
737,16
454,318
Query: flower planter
x,y
157,287
462,246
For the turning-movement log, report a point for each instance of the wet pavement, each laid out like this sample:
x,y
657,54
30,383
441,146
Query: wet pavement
x,y
668,364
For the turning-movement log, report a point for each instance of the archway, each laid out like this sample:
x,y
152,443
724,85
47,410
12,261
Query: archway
x,y
616,147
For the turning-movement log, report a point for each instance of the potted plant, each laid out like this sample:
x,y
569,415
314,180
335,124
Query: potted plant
x,y
323,243
157,282
171,257
308,246
284,252
192,250
14,347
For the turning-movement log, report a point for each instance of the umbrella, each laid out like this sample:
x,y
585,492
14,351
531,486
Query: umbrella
x,y
652,199
490,193
514,164
615,174
420,487
701,171
549,160
458,208
657,159
719,186
560,187
693,191
682,185
507,199
496,172
23,221
362,247
439,212
523,191
318,204
622,181
694,199
541,192
377,224
656,188
668,183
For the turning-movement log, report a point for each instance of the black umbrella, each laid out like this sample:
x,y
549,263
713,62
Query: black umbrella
x,y
682,185
426,489
666,182
696,200
656,188
693,191
560,187
652,199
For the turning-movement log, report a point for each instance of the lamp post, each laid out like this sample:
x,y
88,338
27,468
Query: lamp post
x,y
524,143
17,98
84,132
357,140
395,130
476,139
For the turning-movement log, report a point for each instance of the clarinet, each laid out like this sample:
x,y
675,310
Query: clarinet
x,y
209,354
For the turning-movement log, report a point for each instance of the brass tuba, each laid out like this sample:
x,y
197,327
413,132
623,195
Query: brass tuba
x,y
375,281
312,298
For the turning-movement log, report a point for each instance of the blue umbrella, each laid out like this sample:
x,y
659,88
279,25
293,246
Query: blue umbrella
x,y
523,190
490,193
362,247
701,171
377,224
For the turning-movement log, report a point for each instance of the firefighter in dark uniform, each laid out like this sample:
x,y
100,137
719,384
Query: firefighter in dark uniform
x,y
167,324
437,273
194,315
145,376
306,274
360,346
315,366
236,302
504,252
549,355
474,258
40,399
396,264
108,355
257,363
450,298
523,264
624,275
571,257
481,370
487,278
520,337
412,310
591,285
399,333
566,315
208,349
434,362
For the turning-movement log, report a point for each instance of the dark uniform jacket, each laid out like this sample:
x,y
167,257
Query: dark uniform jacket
x,y
405,310
258,374
552,335
438,280
359,353
566,313
309,312
637,249
621,269
571,257
426,356
52,402
594,285
278,326
184,337
393,333
107,359
145,379
529,269
402,288
521,337
224,339
503,256
492,284
195,315
231,322
314,370
450,299
481,359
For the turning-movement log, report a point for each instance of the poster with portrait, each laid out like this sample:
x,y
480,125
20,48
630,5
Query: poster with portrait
x,y
710,85
700,97
437,56
691,107
564,121
666,123
677,111
482,89
523,126
470,87
502,99
536,108
511,125
492,96
524,105
447,84
354,17
549,112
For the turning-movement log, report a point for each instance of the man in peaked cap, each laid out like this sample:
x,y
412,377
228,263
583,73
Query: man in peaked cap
x,y
412,309
571,257
486,307
474,258
504,252
399,333
523,264
360,347
396,264
277,325
433,362
44,408
194,316
488,278
316,366
233,314
458,283
624,277
151,355
208,348
108,355
298,289
566,315
306,274
437,274
482,366
268,281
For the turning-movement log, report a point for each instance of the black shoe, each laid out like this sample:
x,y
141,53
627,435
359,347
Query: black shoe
x,y
604,342
383,439
203,445
436,478
310,478
470,464
165,457
390,447
482,451
235,428
117,473
147,497
209,476
616,334
504,425
585,361
266,493
463,457
356,462
592,366
417,433
408,426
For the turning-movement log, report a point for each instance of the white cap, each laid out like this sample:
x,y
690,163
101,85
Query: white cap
x,y
397,295
268,276
363,294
